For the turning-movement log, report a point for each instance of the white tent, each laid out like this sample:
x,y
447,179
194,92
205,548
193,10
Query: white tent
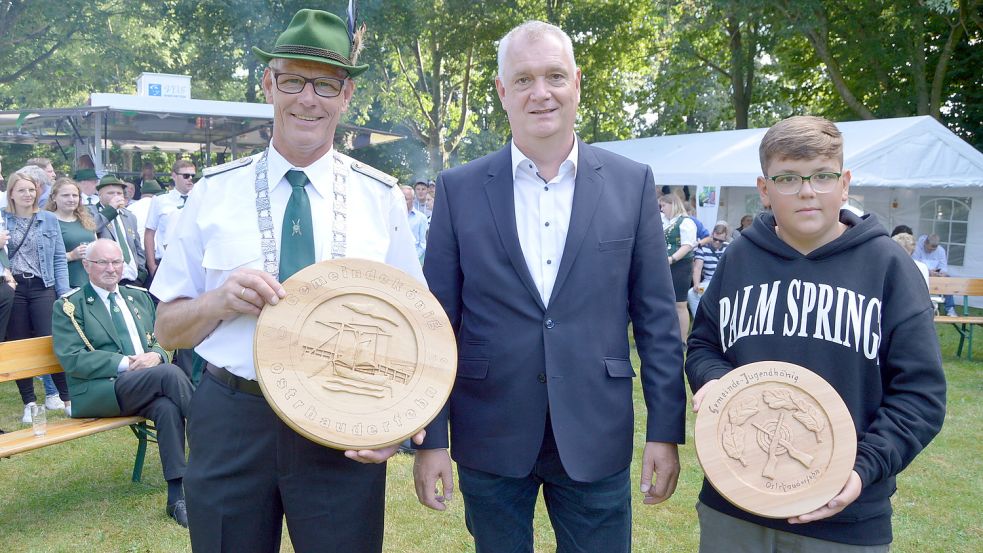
x,y
903,152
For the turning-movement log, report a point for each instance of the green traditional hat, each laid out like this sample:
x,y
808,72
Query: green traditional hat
x,y
317,36
151,187
109,180
85,174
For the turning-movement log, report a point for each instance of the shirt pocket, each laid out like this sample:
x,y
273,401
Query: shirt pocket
x,y
229,255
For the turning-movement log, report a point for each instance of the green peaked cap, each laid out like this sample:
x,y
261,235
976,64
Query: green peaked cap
x,y
317,36
150,186
108,180
85,174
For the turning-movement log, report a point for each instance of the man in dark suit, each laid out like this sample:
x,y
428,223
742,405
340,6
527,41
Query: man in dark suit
x,y
118,224
541,253
103,336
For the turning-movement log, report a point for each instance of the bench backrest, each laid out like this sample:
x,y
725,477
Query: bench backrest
x,y
27,358
955,286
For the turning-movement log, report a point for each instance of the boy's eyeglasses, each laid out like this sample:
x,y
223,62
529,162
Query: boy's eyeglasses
x,y
820,182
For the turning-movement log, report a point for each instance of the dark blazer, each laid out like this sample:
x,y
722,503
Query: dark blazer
x,y
92,374
105,228
517,359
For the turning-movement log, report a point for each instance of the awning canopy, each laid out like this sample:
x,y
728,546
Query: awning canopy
x,y
146,123
902,152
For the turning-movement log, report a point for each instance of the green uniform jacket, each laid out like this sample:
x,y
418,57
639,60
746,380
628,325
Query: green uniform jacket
x,y
92,374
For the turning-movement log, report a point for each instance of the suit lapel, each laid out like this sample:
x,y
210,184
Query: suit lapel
x,y
501,198
99,312
587,190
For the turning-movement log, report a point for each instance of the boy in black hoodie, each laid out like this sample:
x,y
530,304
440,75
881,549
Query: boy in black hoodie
x,y
817,286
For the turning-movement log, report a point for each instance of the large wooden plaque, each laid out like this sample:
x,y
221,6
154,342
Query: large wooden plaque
x,y
775,439
359,355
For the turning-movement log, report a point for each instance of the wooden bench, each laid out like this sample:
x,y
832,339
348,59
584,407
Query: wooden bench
x,y
965,322
35,357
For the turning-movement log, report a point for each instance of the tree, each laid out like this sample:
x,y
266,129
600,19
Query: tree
x,y
427,58
883,59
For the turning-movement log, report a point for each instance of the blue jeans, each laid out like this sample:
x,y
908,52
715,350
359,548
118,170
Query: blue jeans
x,y
587,517
49,385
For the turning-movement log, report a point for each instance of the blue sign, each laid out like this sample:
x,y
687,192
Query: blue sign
x,y
154,89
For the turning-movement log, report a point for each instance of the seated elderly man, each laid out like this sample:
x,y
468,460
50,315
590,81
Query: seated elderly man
x,y
104,337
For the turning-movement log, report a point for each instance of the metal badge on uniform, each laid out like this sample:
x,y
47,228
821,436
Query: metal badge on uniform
x,y
775,439
358,355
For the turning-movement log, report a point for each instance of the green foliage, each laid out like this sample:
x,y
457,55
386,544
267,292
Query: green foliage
x,y
648,67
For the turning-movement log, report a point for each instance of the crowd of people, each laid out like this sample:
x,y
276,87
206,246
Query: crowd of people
x,y
539,253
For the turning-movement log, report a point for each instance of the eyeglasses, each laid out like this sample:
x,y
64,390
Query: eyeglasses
x,y
326,87
116,263
188,176
820,182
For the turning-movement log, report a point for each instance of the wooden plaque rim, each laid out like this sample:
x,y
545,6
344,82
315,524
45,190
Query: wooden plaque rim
x,y
777,505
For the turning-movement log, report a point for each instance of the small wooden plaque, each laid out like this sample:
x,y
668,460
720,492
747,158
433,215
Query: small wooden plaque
x,y
775,439
359,355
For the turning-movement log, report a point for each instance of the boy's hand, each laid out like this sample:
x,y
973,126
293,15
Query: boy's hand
x,y
698,396
850,492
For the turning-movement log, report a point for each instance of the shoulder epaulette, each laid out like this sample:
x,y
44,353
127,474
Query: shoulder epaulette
x,y
70,292
135,287
374,174
219,169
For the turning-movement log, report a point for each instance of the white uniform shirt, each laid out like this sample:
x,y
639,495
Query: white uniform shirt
x,y
131,325
162,219
221,234
542,216
140,209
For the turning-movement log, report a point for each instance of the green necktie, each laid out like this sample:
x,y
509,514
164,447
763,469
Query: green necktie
x,y
121,240
184,201
297,233
120,324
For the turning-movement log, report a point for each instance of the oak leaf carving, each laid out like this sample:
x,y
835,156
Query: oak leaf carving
x,y
739,414
733,442
779,398
812,419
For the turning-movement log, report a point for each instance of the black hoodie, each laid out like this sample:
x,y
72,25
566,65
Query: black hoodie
x,y
857,312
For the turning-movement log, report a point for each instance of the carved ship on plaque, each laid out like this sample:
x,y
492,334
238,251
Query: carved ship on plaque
x,y
356,355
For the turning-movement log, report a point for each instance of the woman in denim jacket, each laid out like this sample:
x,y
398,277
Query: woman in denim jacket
x,y
36,253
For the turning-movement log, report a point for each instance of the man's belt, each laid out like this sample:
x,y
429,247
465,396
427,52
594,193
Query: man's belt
x,y
237,383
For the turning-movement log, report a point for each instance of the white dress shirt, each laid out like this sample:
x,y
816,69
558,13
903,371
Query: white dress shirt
x,y
131,326
140,209
542,216
162,218
220,233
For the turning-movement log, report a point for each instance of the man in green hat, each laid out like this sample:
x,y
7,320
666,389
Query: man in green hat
x,y
249,225
115,222
87,180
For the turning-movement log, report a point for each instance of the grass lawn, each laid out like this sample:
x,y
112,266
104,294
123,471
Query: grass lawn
x,y
78,496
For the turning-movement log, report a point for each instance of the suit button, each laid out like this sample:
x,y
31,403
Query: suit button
x,y
541,377
550,323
